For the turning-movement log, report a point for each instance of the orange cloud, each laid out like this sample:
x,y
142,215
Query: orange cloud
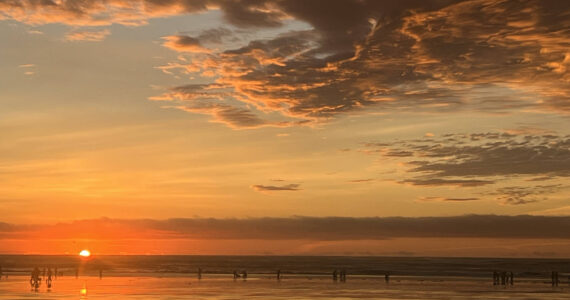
x,y
182,43
88,36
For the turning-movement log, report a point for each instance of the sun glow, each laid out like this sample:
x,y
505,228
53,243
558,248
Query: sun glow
x,y
85,253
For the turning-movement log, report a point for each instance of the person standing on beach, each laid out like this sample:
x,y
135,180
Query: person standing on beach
x,y
48,280
1,273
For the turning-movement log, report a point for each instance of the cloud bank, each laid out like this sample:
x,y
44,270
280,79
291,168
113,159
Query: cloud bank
x,y
484,159
299,228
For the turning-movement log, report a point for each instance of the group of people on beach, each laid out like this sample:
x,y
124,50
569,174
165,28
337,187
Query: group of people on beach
x,y
37,275
339,275
503,278
243,274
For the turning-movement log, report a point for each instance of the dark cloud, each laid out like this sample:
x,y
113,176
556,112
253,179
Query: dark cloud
x,y
443,199
297,228
483,154
439,56
497,56
214,35
517,195
456,182
484,159
361,180
287,187
183,43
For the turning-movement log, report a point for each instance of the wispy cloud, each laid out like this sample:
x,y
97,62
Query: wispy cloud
x,y
272,188
87,36
482,160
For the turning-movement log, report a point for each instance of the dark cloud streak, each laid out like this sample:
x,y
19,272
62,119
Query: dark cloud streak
x,y
310,228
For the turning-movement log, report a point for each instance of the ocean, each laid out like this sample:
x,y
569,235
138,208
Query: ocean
x,y
302,277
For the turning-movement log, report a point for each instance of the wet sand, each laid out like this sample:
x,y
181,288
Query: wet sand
x,y
267,287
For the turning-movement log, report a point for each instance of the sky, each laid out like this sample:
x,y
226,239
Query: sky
x,y
343,127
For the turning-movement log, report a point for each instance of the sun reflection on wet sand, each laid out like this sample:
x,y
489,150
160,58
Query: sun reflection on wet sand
x,y
83,292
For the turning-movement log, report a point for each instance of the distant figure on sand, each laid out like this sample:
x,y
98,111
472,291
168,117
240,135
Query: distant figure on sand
x,y
199,273
48,280
76,273
0,272
100,273
555,280
244,274
335,275
387,277
55,272
236,275
278,274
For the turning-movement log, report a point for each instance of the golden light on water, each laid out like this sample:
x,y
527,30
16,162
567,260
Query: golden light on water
x,y
85,253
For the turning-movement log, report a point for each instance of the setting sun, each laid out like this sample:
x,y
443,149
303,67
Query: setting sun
x,y
85,253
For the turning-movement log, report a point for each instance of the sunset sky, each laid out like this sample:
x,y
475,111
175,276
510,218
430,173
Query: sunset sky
x,y
285,127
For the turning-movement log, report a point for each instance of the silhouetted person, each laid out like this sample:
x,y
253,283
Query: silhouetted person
x,y
236,275
495,278
335,275
503,278
343,275
48,280
1,273
512,276
387,277
244,274
278,274
555,278
55,272
76,273
100,273
199,273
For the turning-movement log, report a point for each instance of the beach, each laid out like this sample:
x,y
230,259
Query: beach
x,y
305,278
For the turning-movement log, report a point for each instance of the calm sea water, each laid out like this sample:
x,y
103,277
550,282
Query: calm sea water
x,y
174,277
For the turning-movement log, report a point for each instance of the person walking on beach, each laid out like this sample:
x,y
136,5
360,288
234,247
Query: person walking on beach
x,y
1,273
199,273
48,279
236,275
244,274
278,274
335,275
